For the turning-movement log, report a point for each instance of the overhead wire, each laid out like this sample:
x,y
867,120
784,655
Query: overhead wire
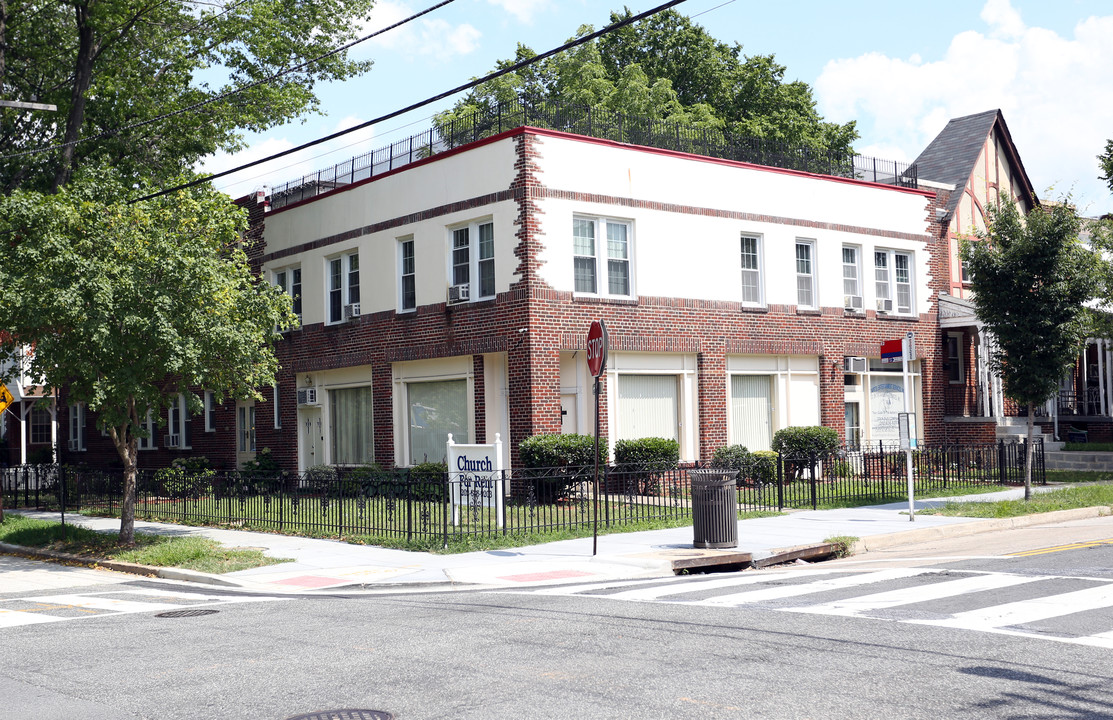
x,y
428,101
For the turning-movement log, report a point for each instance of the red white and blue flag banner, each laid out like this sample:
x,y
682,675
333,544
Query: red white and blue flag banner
x,y
892,351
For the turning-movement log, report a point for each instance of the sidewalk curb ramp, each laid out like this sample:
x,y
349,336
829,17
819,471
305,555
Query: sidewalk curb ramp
x,y
975,527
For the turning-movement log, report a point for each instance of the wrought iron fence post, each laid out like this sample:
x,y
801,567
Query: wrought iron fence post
x,y
446,502
812,460
780,482
409,505
1002,463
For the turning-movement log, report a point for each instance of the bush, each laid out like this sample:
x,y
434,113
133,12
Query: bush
x,y
555,464
734,457
187,477
764,469
428,481
640,463
801,447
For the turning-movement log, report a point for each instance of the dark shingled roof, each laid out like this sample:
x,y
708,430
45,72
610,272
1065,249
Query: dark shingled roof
x,y
952,155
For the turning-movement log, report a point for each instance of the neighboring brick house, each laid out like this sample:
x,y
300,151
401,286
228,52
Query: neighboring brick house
x,y
453,293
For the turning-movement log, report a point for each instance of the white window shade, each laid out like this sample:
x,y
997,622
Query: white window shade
x,y
436,409
751,407
352,429
647,407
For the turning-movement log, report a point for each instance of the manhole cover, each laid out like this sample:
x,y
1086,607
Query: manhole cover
x,y
345,715
186,613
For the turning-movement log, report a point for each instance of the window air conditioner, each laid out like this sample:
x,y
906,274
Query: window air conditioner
x,y
75,444
852,302
171,441
307,396
351,311
854,364
884,306
459,294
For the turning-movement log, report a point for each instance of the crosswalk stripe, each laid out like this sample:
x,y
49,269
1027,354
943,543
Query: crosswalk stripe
x,y
12,618
787,591
690,587
1027,611
851,607
51,607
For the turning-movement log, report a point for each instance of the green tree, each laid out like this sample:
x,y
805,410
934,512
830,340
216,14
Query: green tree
x,y
111,63
1031,279
667,67
130,305
1106,160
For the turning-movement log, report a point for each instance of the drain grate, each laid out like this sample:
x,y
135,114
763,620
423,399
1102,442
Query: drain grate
x,y
345,715
187,613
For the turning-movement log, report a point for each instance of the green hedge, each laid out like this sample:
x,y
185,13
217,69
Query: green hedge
x,y
652,453
810,440
555,464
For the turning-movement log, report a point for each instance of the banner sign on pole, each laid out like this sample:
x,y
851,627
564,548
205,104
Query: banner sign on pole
x,y
892,351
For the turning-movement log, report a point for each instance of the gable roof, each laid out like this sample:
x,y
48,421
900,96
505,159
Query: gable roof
x,y
953,154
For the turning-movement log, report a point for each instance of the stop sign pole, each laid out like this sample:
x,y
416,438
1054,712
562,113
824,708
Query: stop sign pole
x,y
597,342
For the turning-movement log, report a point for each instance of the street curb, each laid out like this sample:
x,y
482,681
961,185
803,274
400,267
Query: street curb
x,y
117,565
975,527
779,556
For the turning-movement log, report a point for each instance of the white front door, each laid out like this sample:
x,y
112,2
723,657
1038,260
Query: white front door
x,y
245,431
311,438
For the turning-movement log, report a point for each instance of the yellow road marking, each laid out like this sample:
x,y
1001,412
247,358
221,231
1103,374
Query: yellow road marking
x,y
1061,548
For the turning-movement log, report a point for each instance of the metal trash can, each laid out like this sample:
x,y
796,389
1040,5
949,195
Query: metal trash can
x,y
714,508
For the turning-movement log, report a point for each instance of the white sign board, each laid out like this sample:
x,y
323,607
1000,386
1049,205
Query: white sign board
x,y
476,480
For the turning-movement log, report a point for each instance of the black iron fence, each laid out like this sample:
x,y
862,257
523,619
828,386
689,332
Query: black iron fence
x,y
453,131
374,504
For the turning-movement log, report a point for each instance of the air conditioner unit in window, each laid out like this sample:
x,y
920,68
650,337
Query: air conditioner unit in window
x,y
351,310
172,441
852,302
459,294
307,396
884,306
75,445
854,364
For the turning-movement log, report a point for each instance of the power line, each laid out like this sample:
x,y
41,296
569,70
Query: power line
x,y
428,101
229,93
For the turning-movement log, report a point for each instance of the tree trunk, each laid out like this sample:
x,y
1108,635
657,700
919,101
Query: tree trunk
x,y
127,505
1028,455
82,78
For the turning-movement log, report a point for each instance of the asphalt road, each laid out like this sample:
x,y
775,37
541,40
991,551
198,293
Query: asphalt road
x,y
689,647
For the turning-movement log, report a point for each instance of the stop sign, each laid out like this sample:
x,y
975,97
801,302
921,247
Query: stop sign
x,y
597,348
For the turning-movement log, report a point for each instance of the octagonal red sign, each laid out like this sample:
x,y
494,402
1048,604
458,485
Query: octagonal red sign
x,y
597,348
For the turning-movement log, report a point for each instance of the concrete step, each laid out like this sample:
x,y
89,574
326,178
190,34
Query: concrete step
x,y
1091,461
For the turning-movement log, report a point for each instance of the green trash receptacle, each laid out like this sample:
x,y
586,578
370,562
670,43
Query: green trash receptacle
x,y
714,508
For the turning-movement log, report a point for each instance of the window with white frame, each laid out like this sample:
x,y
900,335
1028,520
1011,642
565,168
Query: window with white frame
x,y
210,411
602,245
893,281
407,275
77,426
434,410
351,428
181,424
342,284
768,393
473,259
805,274
40,425
148,427
851,277
751,270
289,279
955,365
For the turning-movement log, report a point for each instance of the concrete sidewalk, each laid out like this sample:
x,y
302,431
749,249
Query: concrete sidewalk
x,y
334,565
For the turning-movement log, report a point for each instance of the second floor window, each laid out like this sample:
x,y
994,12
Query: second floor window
x,y
289,279
40,425
343,285
473,259
407,276
601,245
805,275
893,281
851,281
751,270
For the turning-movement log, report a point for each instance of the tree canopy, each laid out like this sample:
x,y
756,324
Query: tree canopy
x,y
107,64
667,67
1032,278
1106,160
130,305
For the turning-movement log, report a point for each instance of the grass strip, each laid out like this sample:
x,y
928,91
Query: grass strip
x,y
1064,499
190,553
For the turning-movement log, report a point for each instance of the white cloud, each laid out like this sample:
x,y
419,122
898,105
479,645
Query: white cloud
x,y
523,10
427,36
1056,94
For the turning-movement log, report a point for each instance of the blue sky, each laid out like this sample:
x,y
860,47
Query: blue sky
x,y
901,70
